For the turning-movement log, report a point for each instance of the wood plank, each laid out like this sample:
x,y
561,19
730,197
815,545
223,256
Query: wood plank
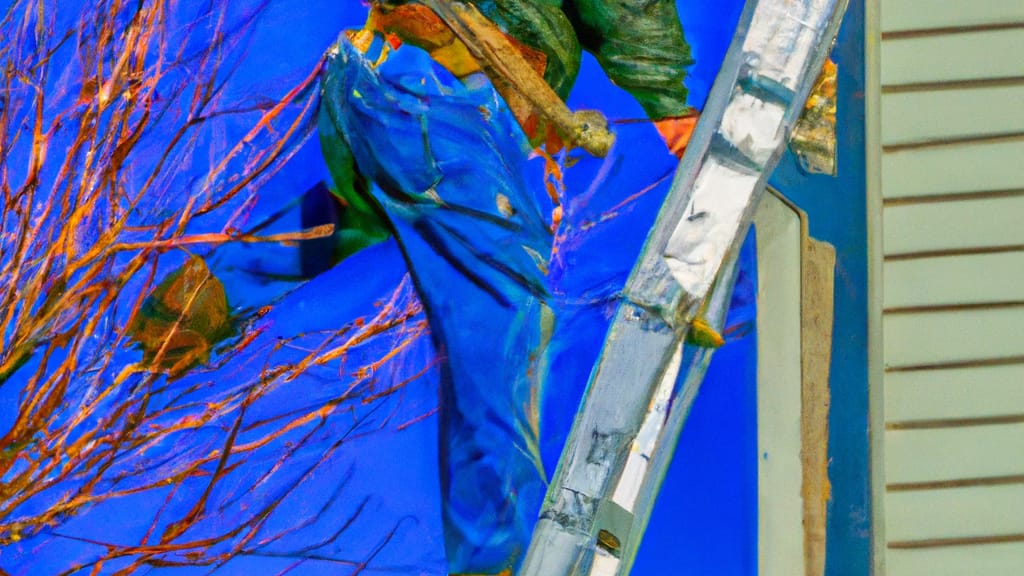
x,y
954,280
817,286
961,393
967,167
953,57
954,453
954,225
938,337
923,116
955,513
991,560
898,15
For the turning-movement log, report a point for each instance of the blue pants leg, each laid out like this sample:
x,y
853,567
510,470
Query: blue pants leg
x,y
451,166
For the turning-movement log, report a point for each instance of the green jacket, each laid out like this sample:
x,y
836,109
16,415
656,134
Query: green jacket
x,y
639,44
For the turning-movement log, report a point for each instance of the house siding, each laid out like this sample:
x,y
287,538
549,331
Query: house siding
x,y
949,151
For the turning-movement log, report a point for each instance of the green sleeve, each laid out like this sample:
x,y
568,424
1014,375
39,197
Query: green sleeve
x,y
640,45
360,223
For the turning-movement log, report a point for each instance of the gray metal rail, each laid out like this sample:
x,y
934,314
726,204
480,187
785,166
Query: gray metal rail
x,y
611,469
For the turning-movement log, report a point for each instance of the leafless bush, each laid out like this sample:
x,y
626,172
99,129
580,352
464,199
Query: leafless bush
x,y
105,118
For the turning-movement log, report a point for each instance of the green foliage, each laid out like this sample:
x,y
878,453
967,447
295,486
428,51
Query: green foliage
x,y
360,224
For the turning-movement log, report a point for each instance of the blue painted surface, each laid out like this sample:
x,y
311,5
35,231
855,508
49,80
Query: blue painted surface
x,y
837,212
705,521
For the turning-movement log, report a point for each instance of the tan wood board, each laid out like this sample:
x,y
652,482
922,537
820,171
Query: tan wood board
x,y
978,392
987,560
945,514
934,339
954,280
964,224
954,453
936,115
902,15
953,57
953,169
817,313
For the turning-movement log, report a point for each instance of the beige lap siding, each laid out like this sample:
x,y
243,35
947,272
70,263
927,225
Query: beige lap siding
x,y
951,157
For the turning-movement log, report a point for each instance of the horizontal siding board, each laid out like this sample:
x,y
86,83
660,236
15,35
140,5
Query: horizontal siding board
x,y
988,560
968,279
925,116
972,223
972,104
955,513
968,167
953,57
900,15
961,335
953,453
961,393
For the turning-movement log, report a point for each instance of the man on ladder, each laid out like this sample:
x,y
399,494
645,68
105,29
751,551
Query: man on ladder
x,y
412,103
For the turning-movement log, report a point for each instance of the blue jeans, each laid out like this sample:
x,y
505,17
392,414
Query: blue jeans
x,y
453,178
